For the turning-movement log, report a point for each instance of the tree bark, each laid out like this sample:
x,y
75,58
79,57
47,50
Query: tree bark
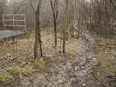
x,y
65,33
38,42
54,7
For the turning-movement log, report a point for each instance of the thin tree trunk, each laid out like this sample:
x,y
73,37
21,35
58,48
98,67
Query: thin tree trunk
x,y
65,36
38,27
55,32
64,40
38,42
54,7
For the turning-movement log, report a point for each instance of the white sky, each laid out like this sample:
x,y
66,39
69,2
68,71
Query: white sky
x,y
88,0
8,1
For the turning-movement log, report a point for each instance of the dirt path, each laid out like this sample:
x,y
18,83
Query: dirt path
x,y
73,73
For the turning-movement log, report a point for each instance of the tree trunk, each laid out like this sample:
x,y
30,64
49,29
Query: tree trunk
x,y
55,32
54,7
64,40
65,36
38,42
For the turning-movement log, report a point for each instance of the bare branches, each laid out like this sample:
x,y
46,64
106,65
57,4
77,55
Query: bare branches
x,y
54,7
38,7
20,8
32,6
21,5
114,5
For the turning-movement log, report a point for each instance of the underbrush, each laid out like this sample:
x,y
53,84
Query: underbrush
x,y
39,63
8,74
105,51
5,77
26,71
15,57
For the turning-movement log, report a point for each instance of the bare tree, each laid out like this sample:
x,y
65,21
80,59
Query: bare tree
x,y
20,6
65,33
38,42
98,16
114,5
54,7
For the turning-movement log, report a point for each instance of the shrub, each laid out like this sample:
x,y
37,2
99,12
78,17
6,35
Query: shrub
x,y
26,71
5,77
39,63
15,70
2,65
20,71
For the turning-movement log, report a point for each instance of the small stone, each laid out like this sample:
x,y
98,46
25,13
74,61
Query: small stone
x,y
76,68
68,65
94,58
84,85
9,55
82,67
60,81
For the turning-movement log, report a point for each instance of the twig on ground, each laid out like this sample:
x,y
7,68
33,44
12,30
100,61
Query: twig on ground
x,y
104,84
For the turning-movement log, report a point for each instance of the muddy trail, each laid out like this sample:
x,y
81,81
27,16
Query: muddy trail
x,y
73,73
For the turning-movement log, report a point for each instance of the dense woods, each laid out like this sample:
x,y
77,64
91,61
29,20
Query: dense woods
x,y
97,16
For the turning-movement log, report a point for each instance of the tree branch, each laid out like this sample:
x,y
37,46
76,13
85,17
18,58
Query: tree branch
x,y
32,6
113,4
20,8
21,5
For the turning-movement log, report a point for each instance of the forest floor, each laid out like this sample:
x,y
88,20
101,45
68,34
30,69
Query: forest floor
x,y
105,71
88,62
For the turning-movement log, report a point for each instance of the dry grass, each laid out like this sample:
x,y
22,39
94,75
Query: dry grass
x,y
21,52
105,53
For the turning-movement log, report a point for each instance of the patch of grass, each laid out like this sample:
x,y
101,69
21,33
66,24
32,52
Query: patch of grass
x,y
72,46
1,43
5,77
2,65
48,29
104,55
39,63
26,71
107,69
20,71
111,69
15,70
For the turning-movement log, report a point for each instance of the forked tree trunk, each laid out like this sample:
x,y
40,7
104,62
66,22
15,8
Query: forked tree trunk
x,y
54,7
38,42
